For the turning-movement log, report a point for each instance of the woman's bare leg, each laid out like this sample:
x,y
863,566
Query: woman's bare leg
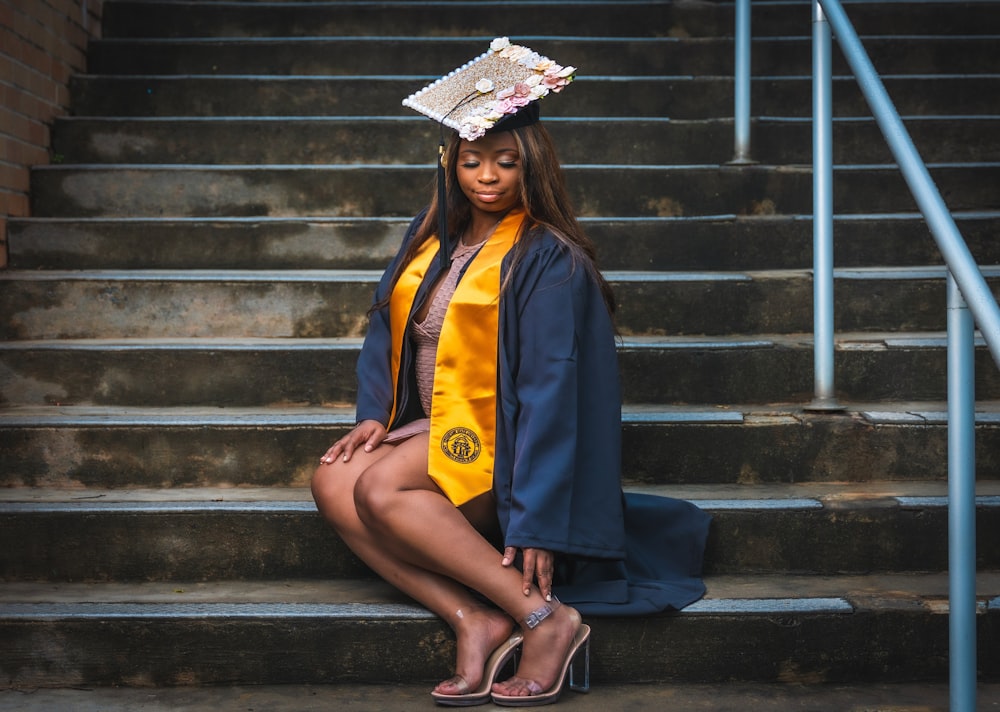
x,y
398,502
478,629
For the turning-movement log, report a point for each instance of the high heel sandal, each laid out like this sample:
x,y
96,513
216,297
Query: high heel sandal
x,y
494,664
579,647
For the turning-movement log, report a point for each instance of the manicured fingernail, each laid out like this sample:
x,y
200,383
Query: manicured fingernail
x,y
548,597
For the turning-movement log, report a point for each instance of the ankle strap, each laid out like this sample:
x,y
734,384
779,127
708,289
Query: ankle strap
x,y
532,620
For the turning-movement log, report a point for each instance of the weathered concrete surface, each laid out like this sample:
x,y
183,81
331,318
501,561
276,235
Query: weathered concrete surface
x,y
729,697
818,528
114,447
762,242
676,97
630,19
333,303
226,243
400,191
787,628
678,56
263,372
326,140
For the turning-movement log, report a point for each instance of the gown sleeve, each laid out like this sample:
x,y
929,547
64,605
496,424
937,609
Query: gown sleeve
x,y
564,491
375,387
560,486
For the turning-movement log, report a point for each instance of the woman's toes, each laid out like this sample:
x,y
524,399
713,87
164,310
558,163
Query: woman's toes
x,y
517,687
453,686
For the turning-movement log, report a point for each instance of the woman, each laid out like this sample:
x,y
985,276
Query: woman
x,y
486,457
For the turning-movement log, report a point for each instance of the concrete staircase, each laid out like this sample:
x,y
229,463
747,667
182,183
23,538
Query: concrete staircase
x,y
182,315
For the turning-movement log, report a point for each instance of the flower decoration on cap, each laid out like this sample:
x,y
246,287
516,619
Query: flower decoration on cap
x,y
495,85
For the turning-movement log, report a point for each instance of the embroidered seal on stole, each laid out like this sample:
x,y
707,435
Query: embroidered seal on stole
x,y
461,445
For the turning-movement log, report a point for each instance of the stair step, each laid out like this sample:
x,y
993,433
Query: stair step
x,y
732,594
814,528
260,372
399,190
183,322
144,447
705,56
158,304
365,18
318,141
623,18
722,242
746,696
301,631
675,97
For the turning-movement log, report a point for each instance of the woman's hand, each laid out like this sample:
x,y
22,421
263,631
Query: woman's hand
x,y
367,434
538,567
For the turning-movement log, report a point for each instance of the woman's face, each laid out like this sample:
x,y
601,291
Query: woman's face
x,y
489,172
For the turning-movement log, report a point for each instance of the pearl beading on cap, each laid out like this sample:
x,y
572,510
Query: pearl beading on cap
x,y
467,99
413,102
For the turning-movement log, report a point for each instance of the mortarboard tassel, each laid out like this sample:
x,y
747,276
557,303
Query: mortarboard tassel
x,y
443,251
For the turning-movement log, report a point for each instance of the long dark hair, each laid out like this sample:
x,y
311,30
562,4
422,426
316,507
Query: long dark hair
x,y
544,199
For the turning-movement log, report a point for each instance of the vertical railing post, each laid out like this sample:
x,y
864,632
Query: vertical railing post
x,y
961,502
969,305
823,385
978,295
741,75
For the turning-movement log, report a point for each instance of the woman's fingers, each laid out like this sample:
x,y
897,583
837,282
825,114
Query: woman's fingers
x,y
509,554
375,435
348,448
331,454
538,567
528,572
368,433
543,572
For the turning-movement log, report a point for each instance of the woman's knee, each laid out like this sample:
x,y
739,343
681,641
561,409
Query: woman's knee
x,y
332,489
371,496
383,486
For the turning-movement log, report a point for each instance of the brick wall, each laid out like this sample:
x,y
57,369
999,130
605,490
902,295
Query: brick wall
x,y
42,43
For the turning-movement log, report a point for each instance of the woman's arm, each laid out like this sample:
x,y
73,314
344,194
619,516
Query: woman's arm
x,y
375,386
560,491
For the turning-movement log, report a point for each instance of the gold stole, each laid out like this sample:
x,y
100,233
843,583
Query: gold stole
x,y
464,407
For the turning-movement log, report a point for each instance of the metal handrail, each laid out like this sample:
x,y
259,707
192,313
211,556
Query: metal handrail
x,y
823,346
961,502
956,253
967,292
741,98
970,301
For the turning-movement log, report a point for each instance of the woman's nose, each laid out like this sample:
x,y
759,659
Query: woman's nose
x,y
487,174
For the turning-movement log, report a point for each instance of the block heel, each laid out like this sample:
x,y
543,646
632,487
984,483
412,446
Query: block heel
x,y
578,653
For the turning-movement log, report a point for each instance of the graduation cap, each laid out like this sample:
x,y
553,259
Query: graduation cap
x,y
497,91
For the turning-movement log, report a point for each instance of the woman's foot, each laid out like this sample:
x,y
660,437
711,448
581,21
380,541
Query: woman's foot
x,y
478,633
544,652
